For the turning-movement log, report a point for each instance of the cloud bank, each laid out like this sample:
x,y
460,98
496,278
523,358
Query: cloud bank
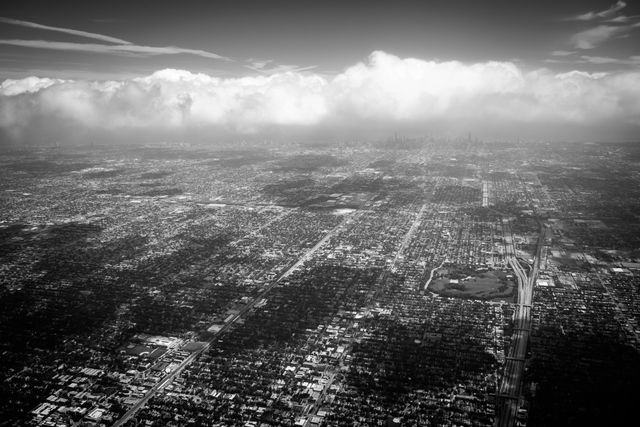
x,y
383,94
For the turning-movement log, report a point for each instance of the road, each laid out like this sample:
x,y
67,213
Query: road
x,y
509,392
332,371
164,382
408,236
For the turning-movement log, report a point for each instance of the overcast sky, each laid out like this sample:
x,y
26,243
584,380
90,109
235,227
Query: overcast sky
x,y
569,68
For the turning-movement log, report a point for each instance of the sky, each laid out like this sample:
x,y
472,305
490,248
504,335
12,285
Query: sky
x,y
203,69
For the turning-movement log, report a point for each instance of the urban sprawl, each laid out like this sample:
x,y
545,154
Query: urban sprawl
x,y
409,282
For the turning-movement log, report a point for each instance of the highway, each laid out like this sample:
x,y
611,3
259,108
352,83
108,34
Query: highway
x,y
509,392
164,382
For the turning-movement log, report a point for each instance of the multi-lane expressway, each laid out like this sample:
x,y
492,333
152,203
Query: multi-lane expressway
x,y
509,391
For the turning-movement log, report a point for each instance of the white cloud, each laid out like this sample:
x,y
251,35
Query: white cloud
x,y
623,19
386,92
388,87
611,25
85,34
118,49
31,84
562,52
590,16
593,37
261,67
632,60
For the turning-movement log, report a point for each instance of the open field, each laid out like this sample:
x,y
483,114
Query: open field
x,y
488,285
